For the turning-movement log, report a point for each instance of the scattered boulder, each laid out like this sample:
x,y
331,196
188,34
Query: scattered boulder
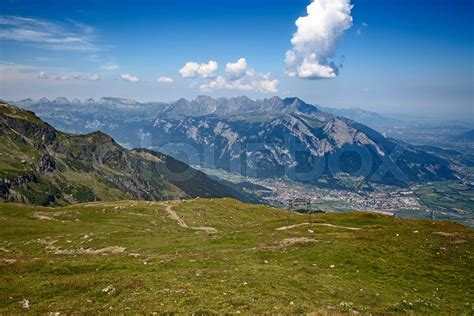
x,y
25,303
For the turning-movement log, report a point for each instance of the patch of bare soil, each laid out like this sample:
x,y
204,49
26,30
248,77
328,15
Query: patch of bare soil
x,y
50,247
292,226
287,242
44,216
90,251
445,234
337,226
174,216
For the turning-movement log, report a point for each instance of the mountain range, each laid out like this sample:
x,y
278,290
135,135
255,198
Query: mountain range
x,y
40,165
266,138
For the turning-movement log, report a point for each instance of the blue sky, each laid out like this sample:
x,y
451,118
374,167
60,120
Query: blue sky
x,y
383,55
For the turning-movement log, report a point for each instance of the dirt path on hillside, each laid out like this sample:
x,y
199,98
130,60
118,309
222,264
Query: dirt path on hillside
x,y
174,216
317,224
292,226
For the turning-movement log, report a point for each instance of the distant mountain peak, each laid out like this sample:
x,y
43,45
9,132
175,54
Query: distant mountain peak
x,y
26,102
61,101
44,100
76,101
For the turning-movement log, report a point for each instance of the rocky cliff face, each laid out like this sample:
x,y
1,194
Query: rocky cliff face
x,y
41,165
288,137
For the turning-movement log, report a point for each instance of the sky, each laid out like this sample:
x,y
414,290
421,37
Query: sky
x,y
388,56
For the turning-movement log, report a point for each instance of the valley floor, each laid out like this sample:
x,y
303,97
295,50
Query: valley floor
x,y
222,256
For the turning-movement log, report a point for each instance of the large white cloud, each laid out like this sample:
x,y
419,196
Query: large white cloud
x,y
192,69
130,78
314,42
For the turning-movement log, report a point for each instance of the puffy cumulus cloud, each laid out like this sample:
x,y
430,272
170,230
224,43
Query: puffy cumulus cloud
x,y
219,83
238,69
165,80
238,76
189,70
93,78
314,42
130,78
192,69
265,84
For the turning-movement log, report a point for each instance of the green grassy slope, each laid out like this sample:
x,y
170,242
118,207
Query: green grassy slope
x,y
228,257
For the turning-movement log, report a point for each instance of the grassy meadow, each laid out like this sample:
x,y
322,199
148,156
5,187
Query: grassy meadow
x,y
222,256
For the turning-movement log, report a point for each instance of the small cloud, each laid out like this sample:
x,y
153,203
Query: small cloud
x,y
360,30
109,66
219,83
238,69
267,85
192,69
165,80
93,78
43,75
129,78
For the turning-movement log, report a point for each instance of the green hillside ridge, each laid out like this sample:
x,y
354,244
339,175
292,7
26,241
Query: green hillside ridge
x,y
209,256
40,165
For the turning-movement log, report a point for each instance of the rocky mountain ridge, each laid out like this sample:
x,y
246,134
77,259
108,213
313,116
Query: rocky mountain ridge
x,y
40,165
272,137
